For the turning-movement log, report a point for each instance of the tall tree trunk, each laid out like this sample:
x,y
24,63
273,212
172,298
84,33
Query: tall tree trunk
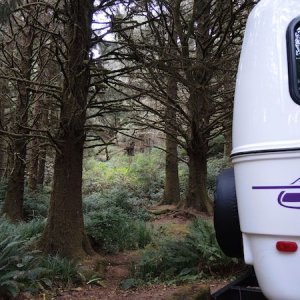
x,y
64,232
33,165
2,143
200,111
172,188
42,166
197,195
13,202
36,168
3,123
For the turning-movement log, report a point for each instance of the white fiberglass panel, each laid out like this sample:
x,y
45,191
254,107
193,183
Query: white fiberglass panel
x,y
278,273
268,193
265,116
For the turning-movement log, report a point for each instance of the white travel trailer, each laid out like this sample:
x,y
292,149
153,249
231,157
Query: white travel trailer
x,y
266,153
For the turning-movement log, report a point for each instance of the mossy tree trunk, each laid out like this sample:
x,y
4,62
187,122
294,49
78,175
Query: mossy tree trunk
x,y
64,232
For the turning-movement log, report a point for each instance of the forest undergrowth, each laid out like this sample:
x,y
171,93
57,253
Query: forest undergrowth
x,y
118,195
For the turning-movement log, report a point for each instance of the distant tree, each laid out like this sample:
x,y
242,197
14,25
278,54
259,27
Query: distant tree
x,y
23,66
172,185
208,38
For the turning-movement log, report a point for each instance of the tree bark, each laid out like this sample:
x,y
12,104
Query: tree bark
x,y
13,202
200,111
197,195
42,166
2,143
33,165
64,232
227,144
172,187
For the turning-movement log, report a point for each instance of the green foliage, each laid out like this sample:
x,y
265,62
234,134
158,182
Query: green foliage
x,y
19,268
113,230
216,146
25,231
36,204
196,255
61,270
23,269
2,190
214,166
32,229
141,174
115,197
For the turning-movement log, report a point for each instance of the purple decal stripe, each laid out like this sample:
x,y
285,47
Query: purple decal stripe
x,y
291,197
275,187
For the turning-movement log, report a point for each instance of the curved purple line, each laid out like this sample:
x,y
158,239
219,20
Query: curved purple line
x,y
280,202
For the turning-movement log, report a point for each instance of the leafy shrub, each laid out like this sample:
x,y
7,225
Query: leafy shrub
x,y
116,197
216,146
60,269
25,231
112,230
214,167
32,229
36,204
141,174
148,171
196,255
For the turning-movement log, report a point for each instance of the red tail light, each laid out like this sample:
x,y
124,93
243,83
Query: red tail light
x,y
286,246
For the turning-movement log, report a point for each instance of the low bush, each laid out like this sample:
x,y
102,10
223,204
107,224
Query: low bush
x,y
32,229
141,174
61,270
36,204
25,231
196,255
116,197
113,230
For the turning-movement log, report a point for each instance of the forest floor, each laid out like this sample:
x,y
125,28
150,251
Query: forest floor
x,y
117,268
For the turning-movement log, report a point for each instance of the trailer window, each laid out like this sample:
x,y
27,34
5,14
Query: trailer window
x,y
293,48
297,49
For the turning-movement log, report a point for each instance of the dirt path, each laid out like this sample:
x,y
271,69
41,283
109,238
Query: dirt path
x,y
117,268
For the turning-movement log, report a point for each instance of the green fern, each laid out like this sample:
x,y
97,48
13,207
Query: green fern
x,y
196,255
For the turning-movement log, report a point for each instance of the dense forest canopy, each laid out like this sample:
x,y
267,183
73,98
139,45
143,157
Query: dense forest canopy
x,y
82,82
